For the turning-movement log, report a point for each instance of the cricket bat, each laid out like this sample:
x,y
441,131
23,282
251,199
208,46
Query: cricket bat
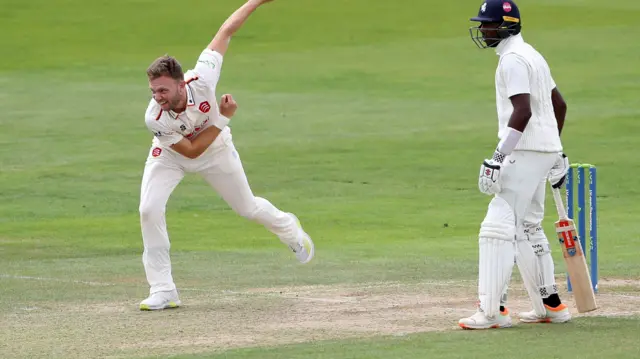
x,y
574,258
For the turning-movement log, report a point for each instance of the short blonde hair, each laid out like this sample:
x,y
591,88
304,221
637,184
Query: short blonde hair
x,y
165,66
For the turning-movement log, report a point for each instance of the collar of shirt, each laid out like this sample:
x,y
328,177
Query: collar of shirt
x,y
190,101
508,43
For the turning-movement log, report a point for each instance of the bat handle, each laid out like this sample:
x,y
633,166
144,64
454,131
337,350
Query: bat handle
x,y
559,204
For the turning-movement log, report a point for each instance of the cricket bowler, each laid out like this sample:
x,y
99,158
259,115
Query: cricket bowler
x,y
192,136
531,113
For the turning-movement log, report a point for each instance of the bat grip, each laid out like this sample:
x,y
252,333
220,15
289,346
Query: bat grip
x,y
559,204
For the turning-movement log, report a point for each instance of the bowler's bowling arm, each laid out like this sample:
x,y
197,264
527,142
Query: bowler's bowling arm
x,y
220,42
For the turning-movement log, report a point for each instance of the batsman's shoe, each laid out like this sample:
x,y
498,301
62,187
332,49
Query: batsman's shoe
x,y
161,300
481,321
304,249
559,314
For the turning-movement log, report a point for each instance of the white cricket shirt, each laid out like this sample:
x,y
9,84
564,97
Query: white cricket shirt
x,y
202,107
523,70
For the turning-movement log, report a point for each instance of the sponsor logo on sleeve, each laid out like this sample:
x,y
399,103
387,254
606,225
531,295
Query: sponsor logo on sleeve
x,y
209,63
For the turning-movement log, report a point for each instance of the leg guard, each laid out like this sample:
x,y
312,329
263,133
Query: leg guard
x,y
541,247
527,262
505,296
497,252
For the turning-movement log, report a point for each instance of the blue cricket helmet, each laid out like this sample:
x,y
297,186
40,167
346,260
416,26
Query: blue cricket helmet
x,y
505,13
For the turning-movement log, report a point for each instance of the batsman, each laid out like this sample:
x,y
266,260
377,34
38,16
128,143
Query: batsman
x,y
531,114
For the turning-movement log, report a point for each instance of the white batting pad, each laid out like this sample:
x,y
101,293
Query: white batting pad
x,y
505,296
529,270
541,247
496,264
497,253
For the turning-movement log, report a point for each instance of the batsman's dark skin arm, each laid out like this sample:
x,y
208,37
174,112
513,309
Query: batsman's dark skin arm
x,y
521,111
559,108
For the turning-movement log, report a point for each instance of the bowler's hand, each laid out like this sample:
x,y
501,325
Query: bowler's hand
x,y
228,106
260,2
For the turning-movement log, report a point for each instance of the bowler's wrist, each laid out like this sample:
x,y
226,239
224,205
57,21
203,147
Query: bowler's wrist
x,y
221,122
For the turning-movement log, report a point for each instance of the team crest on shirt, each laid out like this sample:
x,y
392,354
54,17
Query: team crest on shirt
x,y
156,152
204,107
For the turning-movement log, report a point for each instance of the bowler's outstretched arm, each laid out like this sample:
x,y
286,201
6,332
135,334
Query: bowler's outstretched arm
x,y
220,41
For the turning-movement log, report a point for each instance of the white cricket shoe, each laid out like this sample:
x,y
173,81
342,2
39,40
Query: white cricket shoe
x,y
161,300
559,314
481,321
304,249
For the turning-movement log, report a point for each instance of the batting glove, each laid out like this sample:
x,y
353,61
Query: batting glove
x,y
489,179
558,173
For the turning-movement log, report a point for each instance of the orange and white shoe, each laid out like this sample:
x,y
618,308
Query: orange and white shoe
x,y
559,314
481,321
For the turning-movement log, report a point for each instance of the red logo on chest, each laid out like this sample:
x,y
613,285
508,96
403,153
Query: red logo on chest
x,y
204,107
156,152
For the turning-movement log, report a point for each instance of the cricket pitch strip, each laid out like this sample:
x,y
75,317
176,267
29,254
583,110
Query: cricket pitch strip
x,y
263,317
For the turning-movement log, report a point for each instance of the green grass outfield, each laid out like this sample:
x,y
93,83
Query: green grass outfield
x,y
368,119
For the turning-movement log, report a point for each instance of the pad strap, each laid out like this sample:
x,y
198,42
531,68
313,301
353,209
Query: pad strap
x,y
538,240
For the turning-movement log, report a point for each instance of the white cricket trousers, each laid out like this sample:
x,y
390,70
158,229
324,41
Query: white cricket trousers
x,y
222,168
523,179
520,203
